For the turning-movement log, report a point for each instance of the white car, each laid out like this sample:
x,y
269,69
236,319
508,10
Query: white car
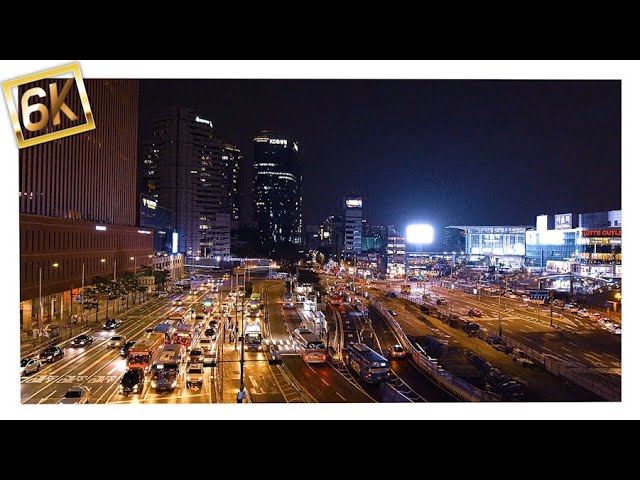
x,y
29,365
76,395
117,342
583,313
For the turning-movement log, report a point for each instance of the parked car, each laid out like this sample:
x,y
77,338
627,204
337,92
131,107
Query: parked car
x,y
124,351
29,366
117,342
132,381
51,354
76,395
112,324
81,341
397,351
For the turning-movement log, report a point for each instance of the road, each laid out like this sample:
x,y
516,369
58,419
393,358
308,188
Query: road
x,y
101,369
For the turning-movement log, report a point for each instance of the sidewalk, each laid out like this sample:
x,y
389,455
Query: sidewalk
x,y
229,369
30,345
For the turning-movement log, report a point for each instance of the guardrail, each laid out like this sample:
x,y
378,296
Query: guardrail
x,y
451,383
574,372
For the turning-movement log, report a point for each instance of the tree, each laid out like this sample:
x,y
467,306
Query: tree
x,y
248,289
91,299
130,284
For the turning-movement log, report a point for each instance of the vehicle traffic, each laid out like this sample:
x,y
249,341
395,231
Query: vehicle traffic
x,y
29,366
310,347
168,367
132,382
76,395
81,341
368,364
143,353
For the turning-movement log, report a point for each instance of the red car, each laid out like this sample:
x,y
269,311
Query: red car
x,y
474,312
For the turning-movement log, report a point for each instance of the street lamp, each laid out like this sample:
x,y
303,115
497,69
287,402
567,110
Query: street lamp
x,y
40,305
135,264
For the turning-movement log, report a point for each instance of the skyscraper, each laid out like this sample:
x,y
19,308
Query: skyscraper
x,y
277,189
183,169
352,227
78,206
230,182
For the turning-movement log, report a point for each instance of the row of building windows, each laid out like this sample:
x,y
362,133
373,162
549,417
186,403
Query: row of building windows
x,y
38,240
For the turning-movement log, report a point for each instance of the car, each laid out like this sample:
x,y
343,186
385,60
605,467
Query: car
x,y
116,341
124,351
195,374
163,294
29,365
206,344
210,332
76,395
392,312
214,324
595,316
617,329
583,313
441,301
51,354
112,324
178,303
571,307
474,312
397,351
132,381
193,292
81,341
196,355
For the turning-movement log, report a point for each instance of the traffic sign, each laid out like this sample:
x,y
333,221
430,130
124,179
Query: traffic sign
x,y
539,294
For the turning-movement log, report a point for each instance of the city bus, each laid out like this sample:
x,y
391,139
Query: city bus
x,y
309,346
253,335
145,351
186,335
167,369
168,329
368,364
179,316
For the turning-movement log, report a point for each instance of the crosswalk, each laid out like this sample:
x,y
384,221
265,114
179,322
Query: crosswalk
x,y
280,344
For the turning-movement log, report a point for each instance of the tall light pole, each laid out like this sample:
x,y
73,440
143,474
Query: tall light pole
x,y
135,266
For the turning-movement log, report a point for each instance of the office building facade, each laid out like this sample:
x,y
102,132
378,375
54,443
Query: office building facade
x,y
395,254
159,220
183,169
332,236
503,246
78,207
352,214
277,189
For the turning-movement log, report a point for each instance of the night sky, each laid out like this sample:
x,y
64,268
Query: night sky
x,y
445,152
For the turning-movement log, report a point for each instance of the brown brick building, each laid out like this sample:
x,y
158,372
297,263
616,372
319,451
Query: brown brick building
x,y
78,205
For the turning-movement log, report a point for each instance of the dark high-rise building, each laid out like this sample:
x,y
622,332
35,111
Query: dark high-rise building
x,y
352,226
230,182
277,189
374,237
182,168
332,236
78,206
312,237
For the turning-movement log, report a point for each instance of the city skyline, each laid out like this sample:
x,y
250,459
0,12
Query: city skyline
x,y
446,152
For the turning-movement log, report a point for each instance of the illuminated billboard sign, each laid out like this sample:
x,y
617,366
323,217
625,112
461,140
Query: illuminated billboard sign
x,y
149,203
202,120
353,203
611,232
564,221
174,242
420,233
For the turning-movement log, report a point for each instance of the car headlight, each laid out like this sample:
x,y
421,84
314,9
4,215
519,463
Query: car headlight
x,y
175,382
154,384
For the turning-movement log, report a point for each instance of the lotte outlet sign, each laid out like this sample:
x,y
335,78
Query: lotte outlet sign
x,y
612,232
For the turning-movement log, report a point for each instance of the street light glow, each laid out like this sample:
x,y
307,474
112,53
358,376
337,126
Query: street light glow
x,y
56,265
102,260
420,233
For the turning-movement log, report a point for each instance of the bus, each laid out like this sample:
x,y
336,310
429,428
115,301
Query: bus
x,y
405,288
309,346
368,364
144,352
168,367
207,305
253,335
186,335
168,329
179,316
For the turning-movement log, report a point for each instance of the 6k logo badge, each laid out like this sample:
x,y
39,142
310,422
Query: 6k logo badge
x,y
43,111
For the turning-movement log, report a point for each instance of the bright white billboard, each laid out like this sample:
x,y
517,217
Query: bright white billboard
x,y
420,233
